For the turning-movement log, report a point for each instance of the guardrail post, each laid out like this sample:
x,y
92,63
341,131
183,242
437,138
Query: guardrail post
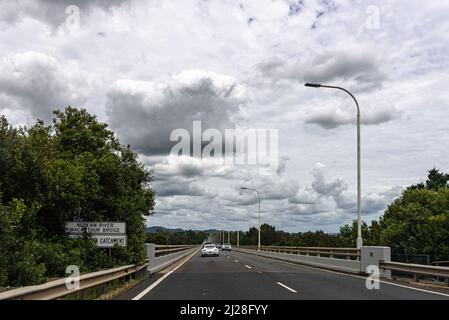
x,y
150,249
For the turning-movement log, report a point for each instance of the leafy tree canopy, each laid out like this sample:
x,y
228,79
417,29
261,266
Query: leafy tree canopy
x,y
73,169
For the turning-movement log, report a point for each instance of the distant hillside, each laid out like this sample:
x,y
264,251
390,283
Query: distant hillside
x,y
154,229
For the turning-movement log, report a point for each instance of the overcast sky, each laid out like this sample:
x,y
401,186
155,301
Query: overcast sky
x,y
149,67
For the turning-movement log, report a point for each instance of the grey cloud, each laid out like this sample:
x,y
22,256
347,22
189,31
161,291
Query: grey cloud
x,y
50,11
189,167
39,84
282,164
331,118
332,195
372,203
325,187
239,199
272,187
179,187
305,196
363,68
145,113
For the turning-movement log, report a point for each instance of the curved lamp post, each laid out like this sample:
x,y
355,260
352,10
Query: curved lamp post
x,y
359,208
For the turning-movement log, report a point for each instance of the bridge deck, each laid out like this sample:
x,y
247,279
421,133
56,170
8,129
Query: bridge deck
x,y
239,276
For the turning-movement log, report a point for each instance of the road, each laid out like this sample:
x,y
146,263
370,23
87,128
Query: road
x,y
240,276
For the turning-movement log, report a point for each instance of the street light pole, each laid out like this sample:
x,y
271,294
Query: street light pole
x,y
258,241
238,238
359,207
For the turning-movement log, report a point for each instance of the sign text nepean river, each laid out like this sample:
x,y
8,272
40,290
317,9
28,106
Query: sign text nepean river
x,y
95,227
105,234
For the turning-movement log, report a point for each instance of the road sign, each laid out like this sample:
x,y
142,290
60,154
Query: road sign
x,y
106,241
109,241
106,234
95,227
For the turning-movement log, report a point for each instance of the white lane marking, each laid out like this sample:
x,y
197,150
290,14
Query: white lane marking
x,y
248,266
236,260
288,288
352,275
144,292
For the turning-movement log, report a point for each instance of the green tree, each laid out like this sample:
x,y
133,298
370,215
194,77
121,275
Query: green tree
x,y
418,222
74,168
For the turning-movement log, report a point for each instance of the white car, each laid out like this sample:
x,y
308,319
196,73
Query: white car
x,y
226,246
209,250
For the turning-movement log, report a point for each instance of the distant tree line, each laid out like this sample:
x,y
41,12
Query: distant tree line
x,y
72,169
169,238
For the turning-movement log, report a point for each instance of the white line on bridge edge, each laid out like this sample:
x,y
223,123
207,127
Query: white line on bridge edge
x,y
236,260
288,288
248,266
144,292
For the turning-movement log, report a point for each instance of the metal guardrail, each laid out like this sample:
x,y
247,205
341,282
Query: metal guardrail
x,y
165,255
440,263
285,254
58,289
417,270
331,252
167,249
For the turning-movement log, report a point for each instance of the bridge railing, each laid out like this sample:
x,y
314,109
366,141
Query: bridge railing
x,y
162,250
416,270
350,260
162,257
330,252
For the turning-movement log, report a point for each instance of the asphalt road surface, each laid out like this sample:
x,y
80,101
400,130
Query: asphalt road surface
x,y
240,276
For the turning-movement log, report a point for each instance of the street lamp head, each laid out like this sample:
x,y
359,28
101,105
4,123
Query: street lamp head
x,y
243,188
313,85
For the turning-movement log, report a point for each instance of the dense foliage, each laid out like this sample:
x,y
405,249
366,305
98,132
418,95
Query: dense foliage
x,y
73,169
415,223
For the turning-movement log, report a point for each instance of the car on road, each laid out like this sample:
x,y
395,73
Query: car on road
x,y
206,243
226,246
210,250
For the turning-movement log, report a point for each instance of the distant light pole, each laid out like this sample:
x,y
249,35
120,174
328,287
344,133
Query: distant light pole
x,y
359,207
238,237
258,241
